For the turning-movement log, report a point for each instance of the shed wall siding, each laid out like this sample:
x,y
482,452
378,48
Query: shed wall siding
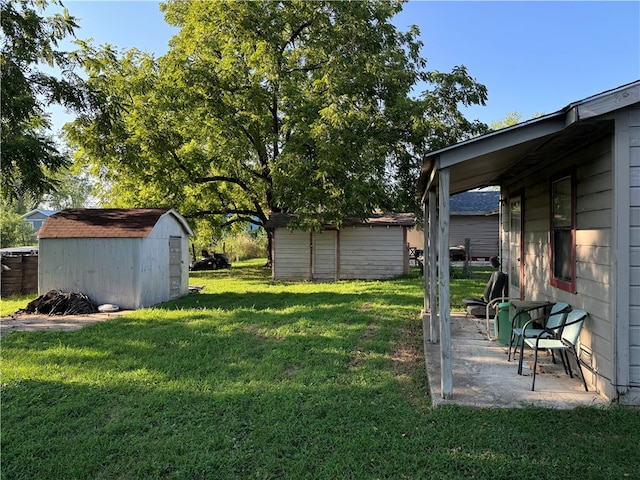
x,y
325,246
634,254
363,252
291,255
155,265
104,269
371,252
593,250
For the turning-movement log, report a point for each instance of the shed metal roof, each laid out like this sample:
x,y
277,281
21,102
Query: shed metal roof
x,y
106,223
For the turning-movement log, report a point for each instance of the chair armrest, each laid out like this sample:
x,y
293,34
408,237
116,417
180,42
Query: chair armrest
x,y
554,330
498,300
491,304
473,301
526,325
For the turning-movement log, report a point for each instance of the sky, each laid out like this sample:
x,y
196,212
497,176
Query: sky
x,y
534,57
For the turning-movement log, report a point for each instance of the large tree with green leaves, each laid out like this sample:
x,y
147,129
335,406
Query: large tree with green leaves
x,y
30,157
299,106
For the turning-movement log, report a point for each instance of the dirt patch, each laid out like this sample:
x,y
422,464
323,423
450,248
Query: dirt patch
x,y
34,322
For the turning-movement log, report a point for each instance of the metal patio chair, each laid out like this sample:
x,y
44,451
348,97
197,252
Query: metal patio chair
x,y
554,319
567,341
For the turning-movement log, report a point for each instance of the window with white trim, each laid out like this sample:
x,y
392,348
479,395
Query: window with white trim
x,y
563,236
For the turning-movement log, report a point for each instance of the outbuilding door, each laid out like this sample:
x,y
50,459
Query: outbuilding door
x,y
175,266
324,266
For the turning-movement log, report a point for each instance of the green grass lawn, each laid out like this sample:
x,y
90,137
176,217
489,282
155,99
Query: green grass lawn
x,y
254,379
14,303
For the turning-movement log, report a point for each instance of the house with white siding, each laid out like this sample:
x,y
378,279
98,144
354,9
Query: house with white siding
x,y
569,225
132,258
374,248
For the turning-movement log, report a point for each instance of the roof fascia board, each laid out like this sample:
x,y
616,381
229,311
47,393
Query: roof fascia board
x,y
502,140
608,103
432,178
181,220
43,211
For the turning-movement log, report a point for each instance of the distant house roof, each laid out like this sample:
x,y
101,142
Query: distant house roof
x,y
41,211
106,223
381,219
475,203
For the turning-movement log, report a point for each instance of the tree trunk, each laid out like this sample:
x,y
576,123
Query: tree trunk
x,y
269,247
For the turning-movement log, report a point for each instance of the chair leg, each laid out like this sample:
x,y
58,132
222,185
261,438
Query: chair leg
x,y
511,343
565,361
519,343
535,367
521,358
584,380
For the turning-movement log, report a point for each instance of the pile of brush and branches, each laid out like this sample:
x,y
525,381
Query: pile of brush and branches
x,y
57,302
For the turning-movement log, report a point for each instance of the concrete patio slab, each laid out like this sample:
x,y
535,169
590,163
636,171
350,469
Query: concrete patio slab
x,y
482,376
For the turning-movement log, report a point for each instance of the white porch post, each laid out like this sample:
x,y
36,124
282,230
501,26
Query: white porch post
x,y
426,305
445,307
433,278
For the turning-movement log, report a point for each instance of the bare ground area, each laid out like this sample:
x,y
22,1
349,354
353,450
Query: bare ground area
x,y
33,322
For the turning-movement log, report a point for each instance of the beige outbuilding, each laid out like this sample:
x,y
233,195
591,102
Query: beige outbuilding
x,y
374,248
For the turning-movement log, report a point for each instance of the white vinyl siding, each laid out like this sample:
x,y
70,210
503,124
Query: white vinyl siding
x,y
593,250
481,230
291,250
371,253
361,252
634,271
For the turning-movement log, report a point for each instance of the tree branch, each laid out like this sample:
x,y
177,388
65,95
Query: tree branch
x,y
223,178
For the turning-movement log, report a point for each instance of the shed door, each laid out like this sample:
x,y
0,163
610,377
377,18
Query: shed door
x,y
324,255
175,266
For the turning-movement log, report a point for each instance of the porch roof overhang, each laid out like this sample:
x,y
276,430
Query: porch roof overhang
x,y
495,159
513,152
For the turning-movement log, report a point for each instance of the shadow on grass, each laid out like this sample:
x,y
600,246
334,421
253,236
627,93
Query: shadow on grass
x,y
58,429
281,384
284,300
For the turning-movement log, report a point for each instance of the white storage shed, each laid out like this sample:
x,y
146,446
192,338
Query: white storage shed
x,y
133,258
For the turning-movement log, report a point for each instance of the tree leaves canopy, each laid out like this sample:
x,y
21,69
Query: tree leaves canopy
x,y
29,156
264,106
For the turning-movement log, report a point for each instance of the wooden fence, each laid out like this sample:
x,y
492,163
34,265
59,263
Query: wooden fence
x,y
19,274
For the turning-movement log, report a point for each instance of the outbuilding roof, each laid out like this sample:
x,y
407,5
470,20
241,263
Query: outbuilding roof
x,y
380,219
106,223
475,203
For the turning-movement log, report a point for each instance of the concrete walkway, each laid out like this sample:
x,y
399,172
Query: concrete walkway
x,y
482,376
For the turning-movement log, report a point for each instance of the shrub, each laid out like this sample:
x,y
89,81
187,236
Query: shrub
x,y
246,245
